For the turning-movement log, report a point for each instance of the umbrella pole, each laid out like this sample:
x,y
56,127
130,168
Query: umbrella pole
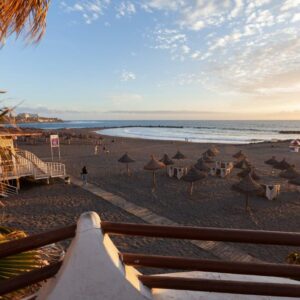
x,y
127,168
154,181
247,202
192,188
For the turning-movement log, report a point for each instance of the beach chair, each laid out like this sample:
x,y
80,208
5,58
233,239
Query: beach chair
x,y
180,173
272,191
213,171
170,171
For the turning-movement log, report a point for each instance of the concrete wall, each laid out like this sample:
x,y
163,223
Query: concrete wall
x,y
92,269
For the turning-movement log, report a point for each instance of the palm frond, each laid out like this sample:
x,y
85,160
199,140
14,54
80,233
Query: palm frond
x,y
18,16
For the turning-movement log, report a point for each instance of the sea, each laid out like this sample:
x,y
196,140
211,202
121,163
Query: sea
x,y
229,132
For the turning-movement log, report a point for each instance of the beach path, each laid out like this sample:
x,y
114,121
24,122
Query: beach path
x,y
218,249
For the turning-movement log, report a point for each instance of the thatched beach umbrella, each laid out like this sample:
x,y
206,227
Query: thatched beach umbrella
x,y
125,159
215,150
248,186
206,158
289,173
272,161
250,171
282,165
210,153
243,164
167,160
179,155
154,165
19,15
239,155
202,166
192,176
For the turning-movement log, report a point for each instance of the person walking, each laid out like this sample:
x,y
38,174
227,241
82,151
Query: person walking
x,y
84,175
96,149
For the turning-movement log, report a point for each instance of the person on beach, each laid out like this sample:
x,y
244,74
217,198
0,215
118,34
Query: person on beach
x,y
105,150
84,174
96,149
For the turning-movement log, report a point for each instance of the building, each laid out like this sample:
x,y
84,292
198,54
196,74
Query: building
x,y
27,116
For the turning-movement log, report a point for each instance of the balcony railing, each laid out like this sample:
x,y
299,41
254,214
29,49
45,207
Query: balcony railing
x,y
173,262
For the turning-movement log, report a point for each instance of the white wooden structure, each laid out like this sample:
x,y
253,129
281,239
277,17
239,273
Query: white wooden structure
x,y
92,269
272,191
176,171
221,169
16,163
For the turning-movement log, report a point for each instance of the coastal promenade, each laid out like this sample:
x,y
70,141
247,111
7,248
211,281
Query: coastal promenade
x,y
218,249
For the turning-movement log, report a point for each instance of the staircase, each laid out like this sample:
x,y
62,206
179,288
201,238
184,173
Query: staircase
x,y
30,165
7,190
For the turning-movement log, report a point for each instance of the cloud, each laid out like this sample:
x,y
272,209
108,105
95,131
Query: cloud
x,y
238,6
149,5
290,4
240,46
172,40
125,9
127,76
296,18
90,10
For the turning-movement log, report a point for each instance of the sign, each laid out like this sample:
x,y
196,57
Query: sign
x,y
54,141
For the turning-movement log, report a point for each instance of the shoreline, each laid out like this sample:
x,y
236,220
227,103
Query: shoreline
x,y
94,130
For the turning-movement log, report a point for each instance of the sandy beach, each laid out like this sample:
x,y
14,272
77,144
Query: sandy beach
x,y
40,207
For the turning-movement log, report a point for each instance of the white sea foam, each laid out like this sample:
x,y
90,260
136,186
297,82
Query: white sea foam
x,y
226,136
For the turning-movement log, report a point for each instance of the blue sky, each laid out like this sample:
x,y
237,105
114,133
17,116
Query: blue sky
x,y
159,59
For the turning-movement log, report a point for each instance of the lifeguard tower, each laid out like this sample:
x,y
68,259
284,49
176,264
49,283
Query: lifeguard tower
x,y
17,163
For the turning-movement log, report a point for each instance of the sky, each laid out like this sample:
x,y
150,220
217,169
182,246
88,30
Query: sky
x,y
159,59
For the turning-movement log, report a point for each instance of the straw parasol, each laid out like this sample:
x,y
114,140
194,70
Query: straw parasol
x,y
215,150
179,155
239,155
289,173
154,165
192,176
166,160
206,158
250,171
248,186
125,159
202,166
243,164
18,15
282,165
272,161
210,153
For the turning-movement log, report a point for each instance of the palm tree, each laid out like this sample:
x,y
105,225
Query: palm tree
x,y
17,15
19,263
